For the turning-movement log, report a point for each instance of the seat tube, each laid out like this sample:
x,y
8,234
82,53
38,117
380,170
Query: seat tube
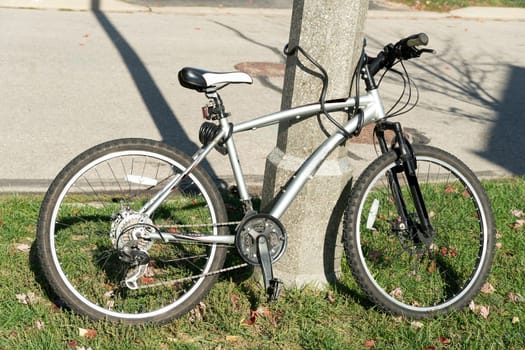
x,y
235,162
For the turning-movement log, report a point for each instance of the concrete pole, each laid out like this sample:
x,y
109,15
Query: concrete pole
x,y
331,31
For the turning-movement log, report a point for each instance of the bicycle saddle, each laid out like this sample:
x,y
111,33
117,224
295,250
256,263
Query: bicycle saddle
x,y
201,80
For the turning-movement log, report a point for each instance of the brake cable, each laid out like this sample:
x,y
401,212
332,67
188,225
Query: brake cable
x,y
324,78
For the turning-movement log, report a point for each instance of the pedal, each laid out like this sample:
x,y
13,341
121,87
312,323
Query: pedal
x,y
274,289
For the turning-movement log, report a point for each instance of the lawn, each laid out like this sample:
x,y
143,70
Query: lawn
x,y
236,315
447,5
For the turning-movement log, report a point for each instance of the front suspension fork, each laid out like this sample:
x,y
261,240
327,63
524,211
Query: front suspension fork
x,y
408,165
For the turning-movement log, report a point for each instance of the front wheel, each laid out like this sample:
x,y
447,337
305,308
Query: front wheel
x,y
401,272
105,258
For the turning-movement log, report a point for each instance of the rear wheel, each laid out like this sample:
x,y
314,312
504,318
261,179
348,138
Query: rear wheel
x,y
393,265
92,236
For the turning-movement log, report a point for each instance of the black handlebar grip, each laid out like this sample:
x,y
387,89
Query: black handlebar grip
x,y
416,40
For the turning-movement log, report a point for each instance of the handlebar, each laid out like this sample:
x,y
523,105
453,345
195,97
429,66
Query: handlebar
x,y
404,49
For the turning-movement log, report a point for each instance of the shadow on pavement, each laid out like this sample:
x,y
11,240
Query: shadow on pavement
x,y
506,144
165,119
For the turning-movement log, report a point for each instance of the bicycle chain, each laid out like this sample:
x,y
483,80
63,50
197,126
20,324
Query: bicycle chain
x,y
228,223
189,278
183,279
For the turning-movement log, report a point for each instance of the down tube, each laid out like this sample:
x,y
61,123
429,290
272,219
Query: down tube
x,y
309,168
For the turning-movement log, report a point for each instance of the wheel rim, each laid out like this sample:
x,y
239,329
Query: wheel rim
x,y
448,259
60,255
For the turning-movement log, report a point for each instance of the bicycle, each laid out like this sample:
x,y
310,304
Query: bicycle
x,y
136,231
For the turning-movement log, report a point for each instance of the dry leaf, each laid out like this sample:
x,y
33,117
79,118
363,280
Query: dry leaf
x,y
487,288
518,224
450,189
432,267
517,213
87,333
517,298
370,343
233,338
198,312
250,321
23,247
499,245
515,320
39,325
484,311
397,293
330,297
235,301
27,299
472,306
416,324
444,340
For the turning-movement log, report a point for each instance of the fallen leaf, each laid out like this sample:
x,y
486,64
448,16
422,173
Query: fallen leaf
x,y
515,320
416,324
198,312
370,343
499,245
23,247
479,309
39,325
484,311
487,288
444,340
72,343
233,338
87,333
517,213
250,321
147,280
465,194
330,297
397,293
517,298
235,301
450,189
518,224
27,299
431,347
263,311
432,267
499,235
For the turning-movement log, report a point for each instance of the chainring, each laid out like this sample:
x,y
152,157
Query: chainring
x,y
255,226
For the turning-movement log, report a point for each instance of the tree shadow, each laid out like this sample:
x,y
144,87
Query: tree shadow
x,y
506,143
163,116
469,84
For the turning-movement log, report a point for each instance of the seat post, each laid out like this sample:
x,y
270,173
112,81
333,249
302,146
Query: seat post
x,y
217,110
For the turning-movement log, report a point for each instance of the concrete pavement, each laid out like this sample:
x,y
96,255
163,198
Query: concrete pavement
x,y
73,78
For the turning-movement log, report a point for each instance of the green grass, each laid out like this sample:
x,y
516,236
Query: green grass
x,y
300,319
447,5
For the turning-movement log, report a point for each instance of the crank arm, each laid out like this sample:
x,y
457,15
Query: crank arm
x,y
272,286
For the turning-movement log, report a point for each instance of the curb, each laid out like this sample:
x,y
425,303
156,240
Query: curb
x,y
473,13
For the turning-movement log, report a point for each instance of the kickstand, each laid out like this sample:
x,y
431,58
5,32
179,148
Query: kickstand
x,y
271,284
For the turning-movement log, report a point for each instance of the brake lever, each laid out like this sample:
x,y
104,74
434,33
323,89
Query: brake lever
x,y
428,51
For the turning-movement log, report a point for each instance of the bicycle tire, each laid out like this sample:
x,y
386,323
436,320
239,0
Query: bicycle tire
x,y
397,271
78,232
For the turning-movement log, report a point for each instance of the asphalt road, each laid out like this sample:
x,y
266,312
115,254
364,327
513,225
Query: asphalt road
x,y
72,79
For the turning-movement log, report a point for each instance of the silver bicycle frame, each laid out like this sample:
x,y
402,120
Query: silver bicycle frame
x,y
373,111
